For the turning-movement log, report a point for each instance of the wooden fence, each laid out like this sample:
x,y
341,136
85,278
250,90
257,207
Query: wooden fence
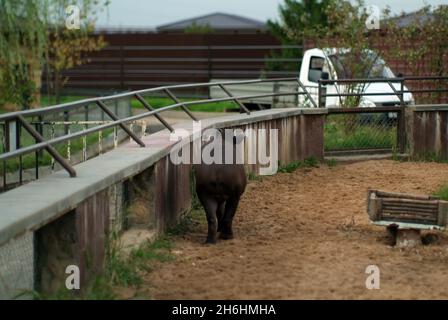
x,y
143,60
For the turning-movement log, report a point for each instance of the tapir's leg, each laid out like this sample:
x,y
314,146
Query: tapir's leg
x,y
210,207
220,214
231,206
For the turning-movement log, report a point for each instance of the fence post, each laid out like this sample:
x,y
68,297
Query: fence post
x,y
275,99
121,67
401,134
17,146
209,64
320,92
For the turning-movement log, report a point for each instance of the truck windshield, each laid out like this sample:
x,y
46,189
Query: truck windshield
x,y
369,66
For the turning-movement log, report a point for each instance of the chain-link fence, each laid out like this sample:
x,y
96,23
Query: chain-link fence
x,y
353,132
17,267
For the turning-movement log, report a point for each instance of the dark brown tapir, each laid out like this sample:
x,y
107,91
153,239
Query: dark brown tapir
x,y
219,188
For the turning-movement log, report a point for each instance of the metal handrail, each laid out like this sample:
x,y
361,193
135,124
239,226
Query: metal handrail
x,y
100,102
70,105
373,80
401,137
399,93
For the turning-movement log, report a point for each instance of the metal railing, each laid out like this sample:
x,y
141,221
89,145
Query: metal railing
x,y
19,119
390,81
380,128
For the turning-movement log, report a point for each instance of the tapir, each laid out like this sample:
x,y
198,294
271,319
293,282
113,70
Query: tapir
x,y
219,188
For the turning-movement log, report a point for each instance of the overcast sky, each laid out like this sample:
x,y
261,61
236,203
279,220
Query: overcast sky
x,y
152,13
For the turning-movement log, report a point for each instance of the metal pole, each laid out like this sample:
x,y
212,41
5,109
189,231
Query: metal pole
x,y
319,93
18,127
36,154
307,93
150,108
50,149
123,126
401,124
5,149
242,106
172,96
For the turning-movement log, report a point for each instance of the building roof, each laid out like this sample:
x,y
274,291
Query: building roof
x,y
421,16
407,19
216,21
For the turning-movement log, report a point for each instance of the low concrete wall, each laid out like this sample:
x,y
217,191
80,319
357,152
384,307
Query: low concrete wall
x,y
129,187
427,131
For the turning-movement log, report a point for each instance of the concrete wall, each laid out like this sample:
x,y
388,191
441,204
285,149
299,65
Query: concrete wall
x,y
125,189
427,131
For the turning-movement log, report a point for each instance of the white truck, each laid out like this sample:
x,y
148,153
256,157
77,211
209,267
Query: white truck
x,y
321,64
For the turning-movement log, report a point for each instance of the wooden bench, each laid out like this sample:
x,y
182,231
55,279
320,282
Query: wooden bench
x,y
405,215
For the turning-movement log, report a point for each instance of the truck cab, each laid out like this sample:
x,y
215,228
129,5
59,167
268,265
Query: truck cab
x,y
329,63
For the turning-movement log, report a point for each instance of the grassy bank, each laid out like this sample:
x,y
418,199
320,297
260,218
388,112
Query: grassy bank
x,y
156,102
349,133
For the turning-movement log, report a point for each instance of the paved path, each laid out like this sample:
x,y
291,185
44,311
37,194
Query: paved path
x,y
173,117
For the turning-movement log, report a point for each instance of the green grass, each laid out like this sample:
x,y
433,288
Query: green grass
x,y
344,134
128,271
442,192
119,270
254,177
331,162
155,102
293,166
29,160
429,157
158,102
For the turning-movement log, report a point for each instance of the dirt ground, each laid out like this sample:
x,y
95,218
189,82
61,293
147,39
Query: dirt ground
x,y
306,235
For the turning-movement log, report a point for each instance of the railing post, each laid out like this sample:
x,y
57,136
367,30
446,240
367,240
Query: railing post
x,y
5,149
319,99
401,127
50,149
176,100
122,125
307,93
121,67
17,146
238,102
275,99
149,108
320,93
37,153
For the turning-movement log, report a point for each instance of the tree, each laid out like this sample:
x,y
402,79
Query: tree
x,y
22,44
421,43
345,31
67,47
32,32
295,15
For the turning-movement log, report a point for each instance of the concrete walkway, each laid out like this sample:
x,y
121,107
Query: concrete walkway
x,y
173,117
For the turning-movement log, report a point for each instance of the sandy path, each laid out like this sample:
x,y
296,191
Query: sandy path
x,y
306,235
